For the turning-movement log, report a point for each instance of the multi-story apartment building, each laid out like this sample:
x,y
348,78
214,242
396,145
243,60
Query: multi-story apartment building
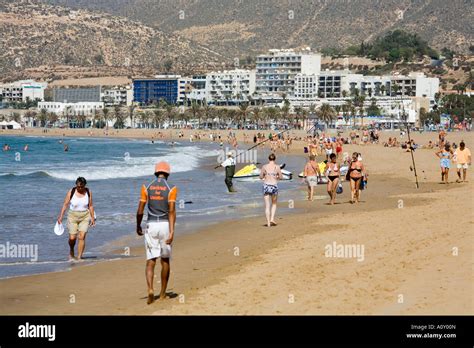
x,y
21,91
118,95
232,85
171,88
277,69
72,109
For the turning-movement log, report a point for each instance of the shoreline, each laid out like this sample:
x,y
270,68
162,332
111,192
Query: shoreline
x,y
209,275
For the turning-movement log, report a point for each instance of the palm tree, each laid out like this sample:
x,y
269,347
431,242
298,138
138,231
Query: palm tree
x,y
297,114
52,118
170,113
142,116
196,111
207,110
344,93
42,117
105,115
68,112
157,117
382,89
243,111
119,117
81,118
131,111
361,108
256,115
285,111
326,113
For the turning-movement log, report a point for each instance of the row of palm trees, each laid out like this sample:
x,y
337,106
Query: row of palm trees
x,y
161,113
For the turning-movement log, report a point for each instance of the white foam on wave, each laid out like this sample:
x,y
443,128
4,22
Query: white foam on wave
x,y
181,160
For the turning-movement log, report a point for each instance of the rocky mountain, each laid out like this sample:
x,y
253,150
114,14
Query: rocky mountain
x,y
238,28
37,36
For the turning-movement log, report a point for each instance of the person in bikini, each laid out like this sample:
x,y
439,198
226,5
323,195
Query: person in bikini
x,y
356,173
332,174
270,174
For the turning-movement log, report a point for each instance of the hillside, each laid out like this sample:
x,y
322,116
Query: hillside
x,y
57,42
244,27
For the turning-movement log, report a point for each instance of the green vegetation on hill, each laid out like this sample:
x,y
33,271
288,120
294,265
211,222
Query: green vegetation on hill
x,y
395,46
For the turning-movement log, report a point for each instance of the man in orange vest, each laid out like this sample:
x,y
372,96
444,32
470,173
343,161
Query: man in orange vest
x,y
160,199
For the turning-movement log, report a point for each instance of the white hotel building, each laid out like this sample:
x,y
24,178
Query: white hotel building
x,y
277,69
333,84
223,86
72,109
20,91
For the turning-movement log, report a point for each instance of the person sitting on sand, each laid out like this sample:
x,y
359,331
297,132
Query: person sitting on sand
x,y
356,175
463,159
270,174
160,199
80,215
332,174
445,155
311,172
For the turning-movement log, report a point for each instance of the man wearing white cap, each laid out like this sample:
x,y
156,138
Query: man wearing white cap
x,y
229,165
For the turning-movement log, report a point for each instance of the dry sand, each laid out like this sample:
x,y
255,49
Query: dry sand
x,y
409,264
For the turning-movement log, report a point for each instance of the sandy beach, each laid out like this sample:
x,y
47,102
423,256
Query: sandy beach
x,y
417,259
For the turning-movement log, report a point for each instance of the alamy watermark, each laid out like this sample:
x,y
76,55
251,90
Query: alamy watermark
x,y
345,251
240,156
20,251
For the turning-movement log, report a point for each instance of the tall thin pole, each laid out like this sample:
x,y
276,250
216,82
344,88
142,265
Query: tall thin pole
x,y
405,118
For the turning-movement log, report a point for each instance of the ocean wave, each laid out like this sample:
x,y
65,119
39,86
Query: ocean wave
x,y
181,160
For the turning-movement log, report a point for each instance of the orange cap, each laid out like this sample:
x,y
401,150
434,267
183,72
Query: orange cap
x,y
162,167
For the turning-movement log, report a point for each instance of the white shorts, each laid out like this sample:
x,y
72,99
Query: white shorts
x,y
312,180
462,166
156,234
328,152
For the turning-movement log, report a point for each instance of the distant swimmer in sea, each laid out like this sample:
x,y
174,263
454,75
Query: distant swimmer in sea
x,y
445,155
6,147
332,174
356,175
26,148
66,147
80,215
160,199
270,174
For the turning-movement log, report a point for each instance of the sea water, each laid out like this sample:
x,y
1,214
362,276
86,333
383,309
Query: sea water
x,y
34,183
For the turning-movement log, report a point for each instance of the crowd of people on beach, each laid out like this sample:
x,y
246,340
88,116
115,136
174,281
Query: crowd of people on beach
x,y
327,164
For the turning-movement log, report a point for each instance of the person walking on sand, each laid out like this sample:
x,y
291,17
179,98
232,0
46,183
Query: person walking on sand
x,y
270,174
160,199
311,172
445,155
80,216
229,165
356,174
332,174
463,159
